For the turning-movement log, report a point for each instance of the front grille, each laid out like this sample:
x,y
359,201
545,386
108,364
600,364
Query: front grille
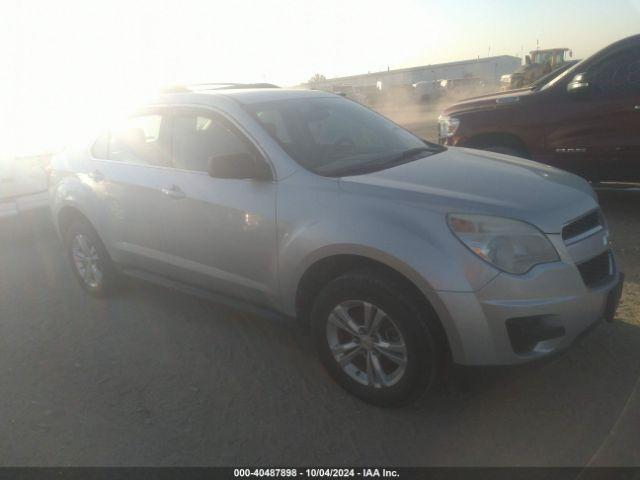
x,y
581,225
597,270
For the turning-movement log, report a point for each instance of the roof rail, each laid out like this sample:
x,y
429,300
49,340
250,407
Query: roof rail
x,y
213,86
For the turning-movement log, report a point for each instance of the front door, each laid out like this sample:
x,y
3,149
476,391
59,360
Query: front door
x,y
618,80
596,133
221,232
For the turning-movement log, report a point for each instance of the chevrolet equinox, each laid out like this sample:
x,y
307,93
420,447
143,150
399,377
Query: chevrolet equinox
x,y
399,254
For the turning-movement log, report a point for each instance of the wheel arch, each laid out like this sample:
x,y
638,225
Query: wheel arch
x,y
69,214
325,269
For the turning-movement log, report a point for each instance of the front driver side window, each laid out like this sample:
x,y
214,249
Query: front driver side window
x,y
618,73
197,137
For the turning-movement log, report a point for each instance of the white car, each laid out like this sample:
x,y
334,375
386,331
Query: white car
x,y
23,185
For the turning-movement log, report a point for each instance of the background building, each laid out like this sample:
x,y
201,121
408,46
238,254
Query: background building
x,y
488,69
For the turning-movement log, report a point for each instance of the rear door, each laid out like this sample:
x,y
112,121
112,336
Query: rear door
x,y
597,134
130,178
221,232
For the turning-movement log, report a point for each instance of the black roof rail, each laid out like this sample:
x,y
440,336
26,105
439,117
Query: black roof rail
x,y
213,86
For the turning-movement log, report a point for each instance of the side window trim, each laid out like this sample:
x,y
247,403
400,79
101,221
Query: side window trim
x,y
167,110
235,127
165,132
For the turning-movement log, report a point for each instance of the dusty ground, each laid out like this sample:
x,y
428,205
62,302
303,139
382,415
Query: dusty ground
x,y
623,212
155,377
420,119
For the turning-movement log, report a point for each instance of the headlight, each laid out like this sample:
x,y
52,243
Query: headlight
x,y
510,245
448,125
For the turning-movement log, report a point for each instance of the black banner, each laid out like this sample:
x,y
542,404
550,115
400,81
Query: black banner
x,y
427,473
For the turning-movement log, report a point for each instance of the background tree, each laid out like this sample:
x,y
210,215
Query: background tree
x,y
315,80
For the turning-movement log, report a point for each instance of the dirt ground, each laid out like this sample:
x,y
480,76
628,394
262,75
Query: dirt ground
x,y
623,214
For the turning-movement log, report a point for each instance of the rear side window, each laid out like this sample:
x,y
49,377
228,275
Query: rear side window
x,y
139,140
198,136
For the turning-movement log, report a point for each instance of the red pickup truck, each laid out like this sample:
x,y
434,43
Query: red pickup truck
x,y
585,120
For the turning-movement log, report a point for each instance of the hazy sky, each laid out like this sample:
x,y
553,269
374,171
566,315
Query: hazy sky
x,y
66,66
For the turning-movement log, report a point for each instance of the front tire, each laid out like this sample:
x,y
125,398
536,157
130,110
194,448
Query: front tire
x,y
90,261
374,340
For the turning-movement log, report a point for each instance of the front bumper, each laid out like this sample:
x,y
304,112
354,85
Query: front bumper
x,y
518,318
15,206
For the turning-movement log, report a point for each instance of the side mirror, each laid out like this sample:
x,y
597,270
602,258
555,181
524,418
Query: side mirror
x,y
238,166
579,85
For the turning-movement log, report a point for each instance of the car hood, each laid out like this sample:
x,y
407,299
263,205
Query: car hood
x,y
488,101
472,181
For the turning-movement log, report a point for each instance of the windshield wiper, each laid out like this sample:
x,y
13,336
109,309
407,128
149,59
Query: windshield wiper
x,y
413,152
404,157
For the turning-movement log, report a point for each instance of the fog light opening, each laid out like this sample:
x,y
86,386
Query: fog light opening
x,y
526,332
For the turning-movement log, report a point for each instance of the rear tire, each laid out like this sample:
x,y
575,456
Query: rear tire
x,y
390,366
90,261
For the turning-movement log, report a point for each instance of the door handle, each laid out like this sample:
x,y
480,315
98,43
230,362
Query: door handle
x,y
636,108
174,192
96,176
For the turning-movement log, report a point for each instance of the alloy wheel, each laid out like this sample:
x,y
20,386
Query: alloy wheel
x,y
86,260
366,343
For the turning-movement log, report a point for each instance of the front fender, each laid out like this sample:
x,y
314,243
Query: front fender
x,y
423,273
291,282
414,241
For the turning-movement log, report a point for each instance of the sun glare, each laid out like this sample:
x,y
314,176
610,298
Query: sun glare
x,y
73,65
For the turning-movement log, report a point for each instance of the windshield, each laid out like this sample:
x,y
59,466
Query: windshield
x,y
334,137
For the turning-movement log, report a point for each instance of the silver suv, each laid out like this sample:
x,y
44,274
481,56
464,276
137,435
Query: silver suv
x,y
398,253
